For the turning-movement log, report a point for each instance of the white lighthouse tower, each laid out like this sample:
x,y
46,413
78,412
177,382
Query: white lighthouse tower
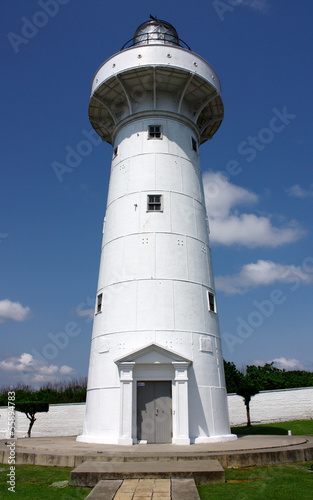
x,y
156,367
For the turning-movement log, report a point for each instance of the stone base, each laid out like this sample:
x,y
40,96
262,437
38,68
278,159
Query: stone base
x,y
181,440
85,438
215,439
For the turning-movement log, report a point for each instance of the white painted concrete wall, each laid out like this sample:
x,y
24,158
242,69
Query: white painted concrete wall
x,y
273,406
61,420
266,407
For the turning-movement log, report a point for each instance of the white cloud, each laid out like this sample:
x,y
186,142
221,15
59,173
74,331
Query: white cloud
x,y
228,227
13,310
252,231
258,362
262,273
85,313
296,191
288,364
221,196
282,363
66,370
27,370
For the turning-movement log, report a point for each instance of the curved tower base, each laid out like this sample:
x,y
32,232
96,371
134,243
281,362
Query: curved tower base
x,y
157,400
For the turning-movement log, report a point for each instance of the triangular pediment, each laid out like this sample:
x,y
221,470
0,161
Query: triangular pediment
x,y
153,354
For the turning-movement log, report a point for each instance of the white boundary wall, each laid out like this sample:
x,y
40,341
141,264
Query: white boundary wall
x,y
273,406
265,407
61,420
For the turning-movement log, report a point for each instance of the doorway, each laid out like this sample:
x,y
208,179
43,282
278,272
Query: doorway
x,y
154,411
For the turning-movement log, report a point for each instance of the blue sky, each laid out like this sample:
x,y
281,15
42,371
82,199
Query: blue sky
x,y
257,176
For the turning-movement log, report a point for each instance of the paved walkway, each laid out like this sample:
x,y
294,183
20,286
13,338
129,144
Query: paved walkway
x,y
144,489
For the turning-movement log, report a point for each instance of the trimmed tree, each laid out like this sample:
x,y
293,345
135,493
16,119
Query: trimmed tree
x,y
233,377
246,389
30,408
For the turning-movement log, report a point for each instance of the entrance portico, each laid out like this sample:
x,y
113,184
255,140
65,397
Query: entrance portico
x,y
153,363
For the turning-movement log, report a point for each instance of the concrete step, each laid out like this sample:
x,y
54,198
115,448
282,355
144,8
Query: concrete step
x,y
202,471
105,490
165,489
184,489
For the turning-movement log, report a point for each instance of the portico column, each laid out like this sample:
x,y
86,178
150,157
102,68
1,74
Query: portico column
x,y
180,412
126,379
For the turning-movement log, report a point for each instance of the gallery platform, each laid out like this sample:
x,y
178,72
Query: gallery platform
x,y
246,451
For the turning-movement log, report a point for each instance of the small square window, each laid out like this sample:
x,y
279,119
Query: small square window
x,y
99,303
194,144
154,132
154,203
211,300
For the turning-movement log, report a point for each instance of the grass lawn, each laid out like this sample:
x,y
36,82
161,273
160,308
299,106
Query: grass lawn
x,y
33,483
275,482
297,427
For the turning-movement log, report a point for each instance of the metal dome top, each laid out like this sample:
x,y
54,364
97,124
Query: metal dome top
x,y
154,73
155,32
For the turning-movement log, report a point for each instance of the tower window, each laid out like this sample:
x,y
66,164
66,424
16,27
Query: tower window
x,y
154,203
99,302
211,300
115,152
194,144
154,132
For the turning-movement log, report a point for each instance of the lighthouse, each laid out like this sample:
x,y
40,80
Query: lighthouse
x,y
156,367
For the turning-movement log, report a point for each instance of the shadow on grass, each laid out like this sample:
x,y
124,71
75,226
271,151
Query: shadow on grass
x,y
260,430
297,428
